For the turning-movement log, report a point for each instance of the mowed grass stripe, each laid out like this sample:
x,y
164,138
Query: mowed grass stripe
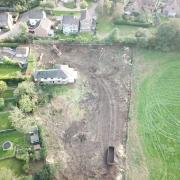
x,y
159,117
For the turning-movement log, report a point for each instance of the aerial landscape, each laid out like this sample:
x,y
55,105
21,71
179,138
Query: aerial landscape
x,y
89,90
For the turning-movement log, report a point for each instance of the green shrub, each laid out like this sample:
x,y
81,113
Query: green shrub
x,y
47,173
83,5
26,168
70,5
7,60
47,5
121,21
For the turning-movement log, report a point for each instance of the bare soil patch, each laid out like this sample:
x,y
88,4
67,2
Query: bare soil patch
x,y
85,139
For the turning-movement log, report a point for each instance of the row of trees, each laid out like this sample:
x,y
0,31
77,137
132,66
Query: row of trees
x,y
19,5
166,38
28,97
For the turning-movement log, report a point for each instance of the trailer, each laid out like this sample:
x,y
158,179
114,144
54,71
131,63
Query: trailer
x,y
110,155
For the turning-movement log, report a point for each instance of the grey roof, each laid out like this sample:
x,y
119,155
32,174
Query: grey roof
x,y
34,135
83,14
4,18
34,138
68,20
36,14
51,73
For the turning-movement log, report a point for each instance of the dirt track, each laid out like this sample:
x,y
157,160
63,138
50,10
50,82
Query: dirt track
x,y
105,123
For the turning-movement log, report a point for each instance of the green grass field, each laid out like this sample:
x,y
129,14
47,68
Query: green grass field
x,y
158,113
8,71
5,121
18,140
13,164
65,13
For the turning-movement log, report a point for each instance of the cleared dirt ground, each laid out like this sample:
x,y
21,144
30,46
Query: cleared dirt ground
x,y
107,76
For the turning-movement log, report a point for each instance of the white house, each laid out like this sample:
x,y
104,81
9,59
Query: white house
x,y
70,25
61,75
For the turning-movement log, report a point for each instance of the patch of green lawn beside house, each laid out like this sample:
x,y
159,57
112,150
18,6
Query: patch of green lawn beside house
x,y
5,122
18,139
13,164
9,71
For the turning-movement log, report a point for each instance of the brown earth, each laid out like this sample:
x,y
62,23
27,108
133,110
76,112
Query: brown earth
x,y
107,76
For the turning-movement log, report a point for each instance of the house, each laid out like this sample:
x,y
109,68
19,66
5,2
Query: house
x,y
134,6
172,8
70,25
137,6
43,28
35,16
6,21
63,74
34,136
18,55
86,22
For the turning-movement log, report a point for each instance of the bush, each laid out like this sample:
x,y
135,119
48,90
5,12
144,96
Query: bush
x,y
1,103
47,173
26,168
83,5
7,60
121,21
70,5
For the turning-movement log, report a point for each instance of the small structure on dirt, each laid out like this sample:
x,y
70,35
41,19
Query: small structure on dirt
x,y
110,155
8,145
37,147
34,136
63,74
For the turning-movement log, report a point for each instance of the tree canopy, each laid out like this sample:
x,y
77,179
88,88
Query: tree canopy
x,y
168,36
19,5
3,86
7,174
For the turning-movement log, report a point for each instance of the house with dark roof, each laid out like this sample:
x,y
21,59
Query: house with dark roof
x,y
172,8
70,25
6,20
63,74
137,6
18,55
35,16
86,22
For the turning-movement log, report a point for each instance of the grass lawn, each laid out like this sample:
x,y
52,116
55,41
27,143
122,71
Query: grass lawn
x,y
158,112
5,122
105,26
65,13
13,164
18,140
8,71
